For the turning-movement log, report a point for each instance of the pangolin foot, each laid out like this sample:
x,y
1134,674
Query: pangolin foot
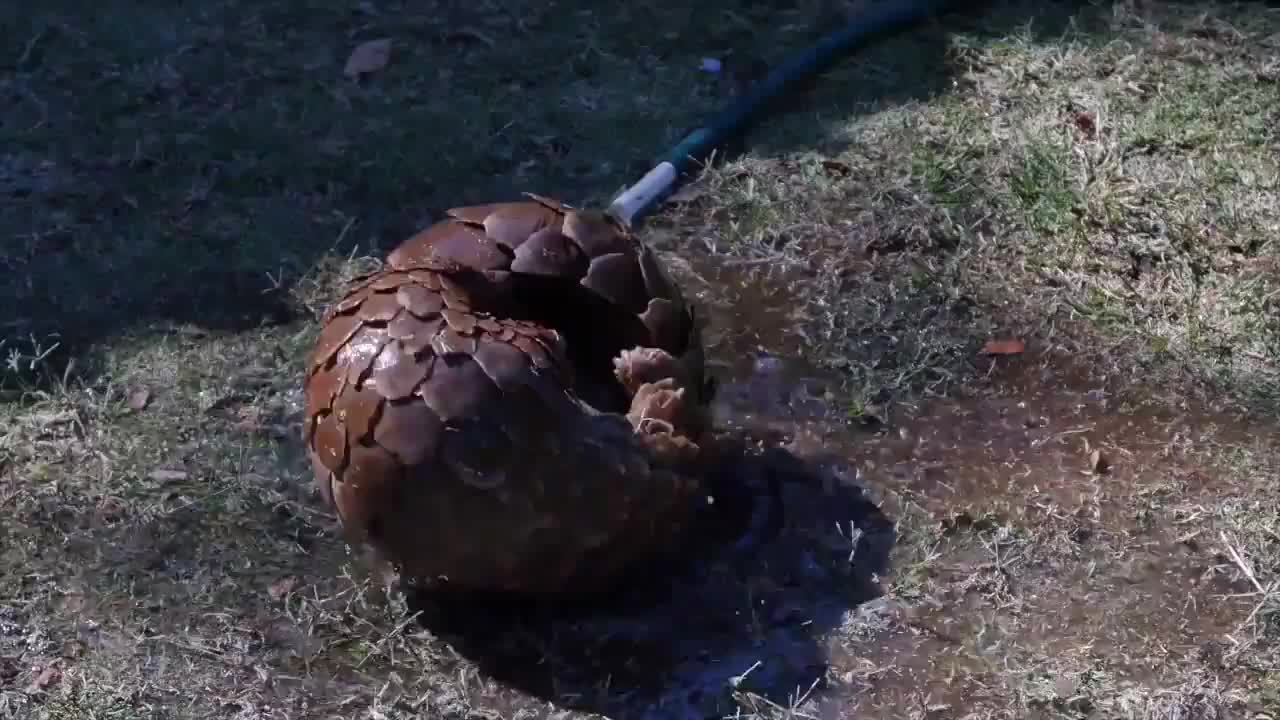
x,y
641,365
663,420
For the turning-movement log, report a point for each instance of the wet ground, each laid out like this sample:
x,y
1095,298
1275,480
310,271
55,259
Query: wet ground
x,y
995,549
1070,522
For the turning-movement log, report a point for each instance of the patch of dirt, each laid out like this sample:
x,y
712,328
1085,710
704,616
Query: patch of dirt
x,y
1036,555
1059,515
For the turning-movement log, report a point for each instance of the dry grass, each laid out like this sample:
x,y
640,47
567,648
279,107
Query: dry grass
x,y
1125,178
183,188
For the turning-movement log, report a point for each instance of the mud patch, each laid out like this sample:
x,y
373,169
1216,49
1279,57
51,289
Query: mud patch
x,y
1053,519
1056,524
1037,532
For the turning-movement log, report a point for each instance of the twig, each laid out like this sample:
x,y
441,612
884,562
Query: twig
x,y
398,630
197,649
1266,592
1241,562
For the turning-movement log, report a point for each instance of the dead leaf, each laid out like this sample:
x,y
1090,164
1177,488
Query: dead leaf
x,y
47,677
167,475
835,167
368,57
282,587
1098,463
1010,346
138,399
1086,124
72,603
73,649
250,419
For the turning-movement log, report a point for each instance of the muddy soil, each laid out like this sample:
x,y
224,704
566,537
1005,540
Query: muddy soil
x,y
935,559
1038,495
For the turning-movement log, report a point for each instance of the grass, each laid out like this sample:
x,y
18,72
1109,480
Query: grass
x,y
184,186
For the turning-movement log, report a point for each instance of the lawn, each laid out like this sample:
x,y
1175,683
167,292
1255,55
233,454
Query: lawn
x,y
1086,528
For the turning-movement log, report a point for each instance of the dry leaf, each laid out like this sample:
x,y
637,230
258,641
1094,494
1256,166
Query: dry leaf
x,y
1086,124
835,167
72,649
368,57
1098,462
1012,346
250,419
72,603
47,677
282,587
138,399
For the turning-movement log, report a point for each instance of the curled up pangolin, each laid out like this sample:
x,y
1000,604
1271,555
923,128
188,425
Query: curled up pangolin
x,y
515,402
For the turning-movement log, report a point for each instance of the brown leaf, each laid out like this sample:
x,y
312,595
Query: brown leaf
x,y
835,167
47,677
1086,124
1098,463
73,603
368,57
72,649
282,587
138,399
250,419
1009,346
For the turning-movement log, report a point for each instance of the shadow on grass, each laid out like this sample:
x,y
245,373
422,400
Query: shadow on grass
x,y
680,640
170,166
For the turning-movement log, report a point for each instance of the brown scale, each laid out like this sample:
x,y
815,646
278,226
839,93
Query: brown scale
x,y
515,402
